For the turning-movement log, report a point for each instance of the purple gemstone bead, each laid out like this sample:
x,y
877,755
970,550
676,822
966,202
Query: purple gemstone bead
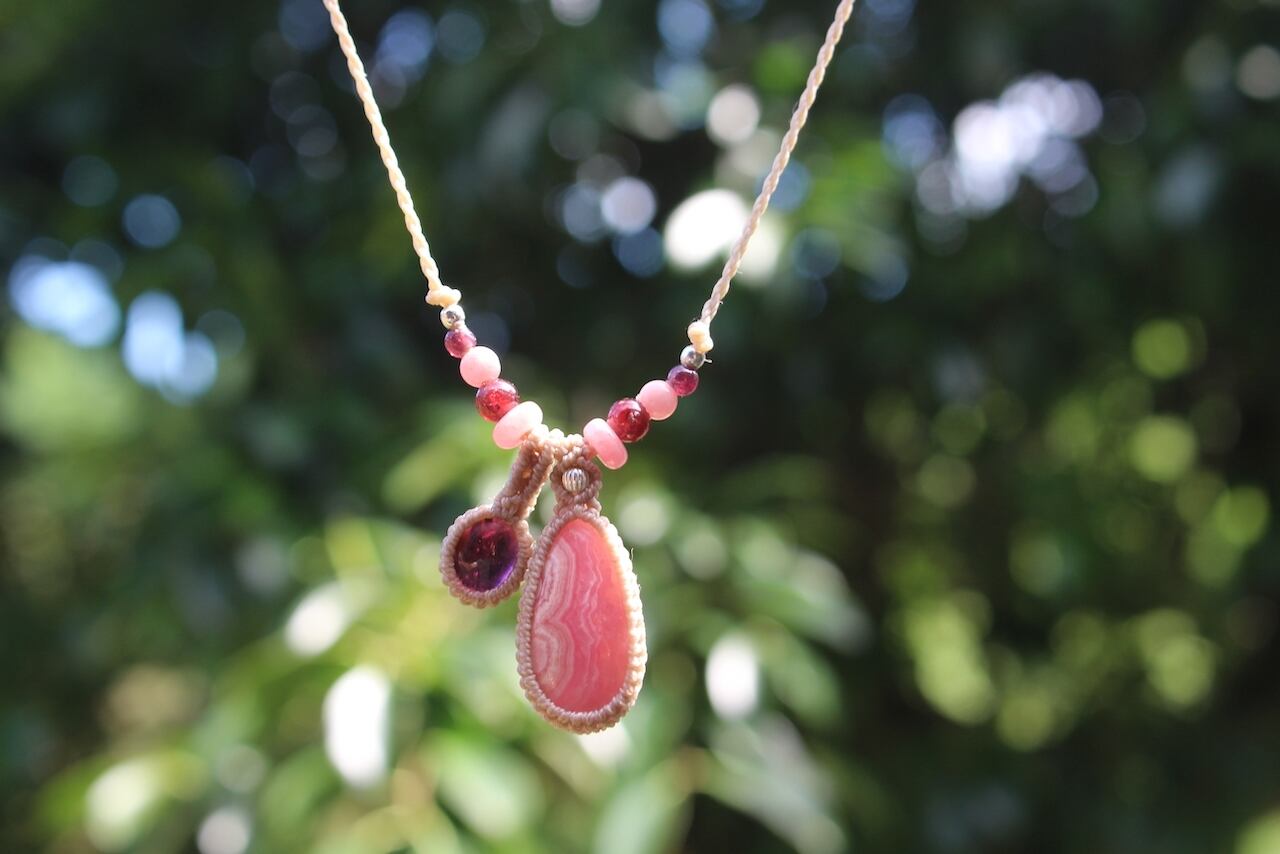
x,y
458,341
682,380
486,554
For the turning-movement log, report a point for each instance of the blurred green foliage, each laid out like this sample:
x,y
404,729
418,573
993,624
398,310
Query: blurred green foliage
x,y
965,544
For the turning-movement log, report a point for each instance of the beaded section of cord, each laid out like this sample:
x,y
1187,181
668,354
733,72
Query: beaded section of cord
x,y
481,365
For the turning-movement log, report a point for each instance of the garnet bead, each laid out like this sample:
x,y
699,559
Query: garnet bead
x,y
682,380
486,554
495,399
458,341
629,419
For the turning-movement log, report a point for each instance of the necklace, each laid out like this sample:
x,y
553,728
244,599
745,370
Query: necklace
x,y
580,637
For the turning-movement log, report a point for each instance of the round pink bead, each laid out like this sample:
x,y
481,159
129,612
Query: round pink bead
x,y
605,442
659,398
511,428
479,366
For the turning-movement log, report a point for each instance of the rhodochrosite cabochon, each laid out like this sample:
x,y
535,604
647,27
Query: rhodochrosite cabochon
x,y
580,639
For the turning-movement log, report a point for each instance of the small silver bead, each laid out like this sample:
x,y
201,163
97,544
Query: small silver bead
x,y
692,359
574,480
452,316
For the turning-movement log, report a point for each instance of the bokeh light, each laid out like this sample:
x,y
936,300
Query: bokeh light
x,y
733,115
305,26
69,298
159,353
357,726
733,678
460,35
703,226
686,26
89,181
575,13
1258,74
226,830
628,205
151,221
1032,129
404,46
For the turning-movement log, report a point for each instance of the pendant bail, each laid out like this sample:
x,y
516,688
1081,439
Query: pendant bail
x,y
576,478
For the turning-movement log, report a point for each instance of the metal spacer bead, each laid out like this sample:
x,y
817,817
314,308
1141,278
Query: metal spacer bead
x,y
692,359
452,316
574,480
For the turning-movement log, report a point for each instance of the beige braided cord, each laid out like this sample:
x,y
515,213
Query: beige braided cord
x,y
700,330
437,293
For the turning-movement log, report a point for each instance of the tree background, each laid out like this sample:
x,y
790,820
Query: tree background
x,y
964,543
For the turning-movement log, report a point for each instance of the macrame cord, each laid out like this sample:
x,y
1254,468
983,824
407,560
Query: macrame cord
x,y
438,294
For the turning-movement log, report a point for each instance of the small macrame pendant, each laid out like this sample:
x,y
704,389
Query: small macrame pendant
x,y
580,638
486,550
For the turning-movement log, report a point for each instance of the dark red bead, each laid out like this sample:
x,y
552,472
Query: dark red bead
x,y
683,381
458,341
629,419
496,398
486,554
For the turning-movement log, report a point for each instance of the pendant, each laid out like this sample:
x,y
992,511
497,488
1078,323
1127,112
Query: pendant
x,y
485,552
580,637
580,640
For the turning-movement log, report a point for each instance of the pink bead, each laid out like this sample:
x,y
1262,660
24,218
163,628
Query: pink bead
x,y
511,429
479,366
605,442
659,398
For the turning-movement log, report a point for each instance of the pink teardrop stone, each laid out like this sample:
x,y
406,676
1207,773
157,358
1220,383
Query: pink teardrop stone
x,y
581,634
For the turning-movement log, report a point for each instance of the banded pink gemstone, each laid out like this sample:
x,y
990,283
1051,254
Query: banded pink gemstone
x,y
581,627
